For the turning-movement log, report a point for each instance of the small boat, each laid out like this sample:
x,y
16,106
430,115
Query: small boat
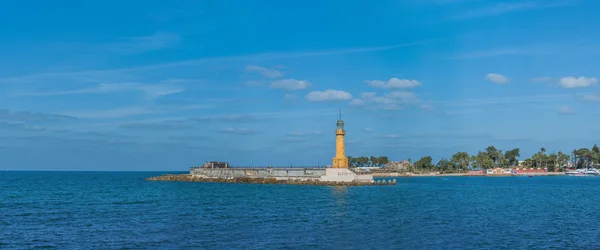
x,y
577,172
584,172
592,171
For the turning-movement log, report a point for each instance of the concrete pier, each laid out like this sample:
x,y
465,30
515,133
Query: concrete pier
x,y
284,174
312,181
277,173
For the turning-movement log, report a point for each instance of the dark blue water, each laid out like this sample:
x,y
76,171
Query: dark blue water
x,y
107,210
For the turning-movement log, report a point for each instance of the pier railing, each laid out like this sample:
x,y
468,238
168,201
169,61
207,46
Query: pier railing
x,y
270,167
356,171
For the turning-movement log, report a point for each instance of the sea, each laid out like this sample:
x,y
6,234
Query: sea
x,y
121,210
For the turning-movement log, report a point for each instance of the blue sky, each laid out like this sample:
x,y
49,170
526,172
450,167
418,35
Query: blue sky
x,y
155,85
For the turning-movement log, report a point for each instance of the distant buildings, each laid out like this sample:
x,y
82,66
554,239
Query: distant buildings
x,y
507,171
498,171
530,170
519,170
475,172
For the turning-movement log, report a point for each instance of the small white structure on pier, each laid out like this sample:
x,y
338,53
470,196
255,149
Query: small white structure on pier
x,y
344,175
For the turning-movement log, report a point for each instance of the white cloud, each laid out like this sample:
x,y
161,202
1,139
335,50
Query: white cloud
x,y
357,102
369,129
496,78
328,95
268,73
367,95
396,97
590,98
389,101
565,110
150,90
581,82
393,83
290,84
401,95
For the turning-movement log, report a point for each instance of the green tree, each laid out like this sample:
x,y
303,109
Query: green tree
x,y
575,158
538,160
424,163
496,156
493,153
444,165
461,160
512,156
363,161
543,158
563,160
382,161
583,158
528,163
484,161
552,162
373,161
595,154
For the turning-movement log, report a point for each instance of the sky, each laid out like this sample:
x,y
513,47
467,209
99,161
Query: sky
x,y
167,85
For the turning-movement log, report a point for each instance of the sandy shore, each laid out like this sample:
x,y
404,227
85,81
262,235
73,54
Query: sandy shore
x,y
462,174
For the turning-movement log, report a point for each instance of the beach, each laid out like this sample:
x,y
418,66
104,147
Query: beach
x,y
463,174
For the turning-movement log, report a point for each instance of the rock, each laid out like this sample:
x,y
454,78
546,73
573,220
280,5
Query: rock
x,y
315,182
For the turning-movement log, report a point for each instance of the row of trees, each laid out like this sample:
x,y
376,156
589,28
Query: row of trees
x,y
462,161
371,161
492,157
580,158
584,157
554,161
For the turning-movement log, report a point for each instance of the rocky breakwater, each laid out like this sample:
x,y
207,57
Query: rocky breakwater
x,y
315,182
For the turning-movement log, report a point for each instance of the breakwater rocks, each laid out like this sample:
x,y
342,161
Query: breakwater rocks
x,y
315,182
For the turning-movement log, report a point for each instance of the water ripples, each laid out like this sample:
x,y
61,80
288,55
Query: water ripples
x,y
91,210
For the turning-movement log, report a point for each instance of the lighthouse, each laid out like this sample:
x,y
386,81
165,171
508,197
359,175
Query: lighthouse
x,y
339,171
340,160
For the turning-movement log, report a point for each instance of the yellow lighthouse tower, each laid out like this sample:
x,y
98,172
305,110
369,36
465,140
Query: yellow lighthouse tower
x,y
340,160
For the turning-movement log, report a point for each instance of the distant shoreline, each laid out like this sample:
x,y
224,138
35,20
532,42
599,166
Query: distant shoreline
x,y
464,174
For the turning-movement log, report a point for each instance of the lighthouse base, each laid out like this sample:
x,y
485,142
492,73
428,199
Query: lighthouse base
x,y
341,162
344,175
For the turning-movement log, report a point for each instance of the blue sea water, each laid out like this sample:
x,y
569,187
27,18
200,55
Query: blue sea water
x,y
116,210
